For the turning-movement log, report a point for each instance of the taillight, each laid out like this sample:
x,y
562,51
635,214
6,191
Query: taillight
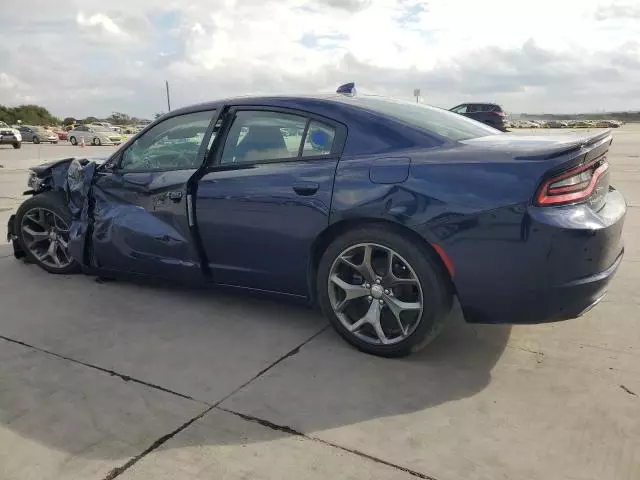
x,y
573,185
499,114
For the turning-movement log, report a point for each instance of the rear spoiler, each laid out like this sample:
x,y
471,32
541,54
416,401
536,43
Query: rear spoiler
x,y
593,143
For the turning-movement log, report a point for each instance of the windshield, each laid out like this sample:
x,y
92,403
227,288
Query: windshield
x,y
100,128
3,125
448,125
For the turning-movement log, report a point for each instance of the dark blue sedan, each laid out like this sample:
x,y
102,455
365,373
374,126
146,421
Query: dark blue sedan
x,y
379,211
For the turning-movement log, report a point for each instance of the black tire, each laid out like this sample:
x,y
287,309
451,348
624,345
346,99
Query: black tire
x,y
73,141
437,290
55,143
36,140
17,145
55,202
97,142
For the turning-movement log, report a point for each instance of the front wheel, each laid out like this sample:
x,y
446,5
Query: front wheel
x,y
73,141
36,140
17,145
97,142
384,294
42,227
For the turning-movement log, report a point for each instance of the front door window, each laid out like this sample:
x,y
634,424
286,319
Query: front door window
x,y
172,144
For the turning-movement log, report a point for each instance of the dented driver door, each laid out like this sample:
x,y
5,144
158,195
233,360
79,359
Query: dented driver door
x,y
141,211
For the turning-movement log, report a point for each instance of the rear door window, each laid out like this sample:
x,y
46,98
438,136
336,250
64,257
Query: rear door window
x,y
261,135
319,139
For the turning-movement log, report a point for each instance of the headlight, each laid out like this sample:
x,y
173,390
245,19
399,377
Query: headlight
x,y
34,182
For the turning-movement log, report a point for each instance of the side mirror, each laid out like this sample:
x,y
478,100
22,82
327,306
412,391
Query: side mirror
x,y
110,166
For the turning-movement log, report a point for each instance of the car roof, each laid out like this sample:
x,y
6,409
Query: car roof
x,y
266,100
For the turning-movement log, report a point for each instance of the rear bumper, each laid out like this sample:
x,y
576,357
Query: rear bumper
x,y
551,304
527,264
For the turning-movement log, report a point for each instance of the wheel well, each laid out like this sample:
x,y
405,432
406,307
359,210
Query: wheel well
x,y
334,231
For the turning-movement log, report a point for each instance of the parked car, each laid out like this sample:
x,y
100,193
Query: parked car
x,y
37,134
94,135
526,124
10,135
62,134
557,124
379,211
488,113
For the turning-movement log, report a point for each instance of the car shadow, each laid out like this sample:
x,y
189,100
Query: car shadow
x,y
325,384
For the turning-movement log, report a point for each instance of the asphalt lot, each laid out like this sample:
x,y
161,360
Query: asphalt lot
x,y
140,381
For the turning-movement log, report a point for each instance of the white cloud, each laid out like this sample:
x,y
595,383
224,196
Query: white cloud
x,y
545,55
99,20
7,81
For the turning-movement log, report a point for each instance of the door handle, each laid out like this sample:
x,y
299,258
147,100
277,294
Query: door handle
x,y
175,196
305,188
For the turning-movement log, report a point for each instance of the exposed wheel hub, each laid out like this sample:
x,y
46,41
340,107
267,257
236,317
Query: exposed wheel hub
x,y
377,291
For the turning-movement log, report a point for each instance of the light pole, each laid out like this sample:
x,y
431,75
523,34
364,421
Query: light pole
x,y
168,98
416,93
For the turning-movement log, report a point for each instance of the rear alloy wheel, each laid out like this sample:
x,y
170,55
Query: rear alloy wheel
x,y
17,145
42,224
97,142
36,140
384,294
73,140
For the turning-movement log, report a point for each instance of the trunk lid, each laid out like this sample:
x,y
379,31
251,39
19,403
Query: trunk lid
x,y
541,147
573,166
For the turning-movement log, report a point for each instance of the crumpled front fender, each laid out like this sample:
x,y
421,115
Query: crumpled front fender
x,y
78,188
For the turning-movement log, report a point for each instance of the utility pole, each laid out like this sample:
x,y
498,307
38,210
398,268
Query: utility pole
x,y
168,98
416,93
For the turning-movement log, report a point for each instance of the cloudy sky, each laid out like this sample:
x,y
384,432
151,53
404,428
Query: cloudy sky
x,y
88,57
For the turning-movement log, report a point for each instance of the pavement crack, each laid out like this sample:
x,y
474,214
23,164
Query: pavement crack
x,y
264,423
113,373
116,472
292,431
630,392
270,366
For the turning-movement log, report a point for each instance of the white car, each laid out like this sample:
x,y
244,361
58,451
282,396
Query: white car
x,y
94,135
9,135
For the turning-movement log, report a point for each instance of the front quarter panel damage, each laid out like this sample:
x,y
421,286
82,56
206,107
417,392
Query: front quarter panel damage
x,y
78,187
129,225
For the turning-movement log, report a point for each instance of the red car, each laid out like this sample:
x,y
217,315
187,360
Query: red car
x,y
62,134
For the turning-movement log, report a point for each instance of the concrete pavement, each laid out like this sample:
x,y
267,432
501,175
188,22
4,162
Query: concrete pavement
x,y
140,381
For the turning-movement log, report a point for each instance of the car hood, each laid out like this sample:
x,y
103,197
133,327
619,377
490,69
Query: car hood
x,y
45,168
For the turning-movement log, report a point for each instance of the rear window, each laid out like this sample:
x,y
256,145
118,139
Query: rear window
x,y
446,124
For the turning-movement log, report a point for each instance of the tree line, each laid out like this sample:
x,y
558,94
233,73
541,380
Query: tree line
x,y
37,115
28,115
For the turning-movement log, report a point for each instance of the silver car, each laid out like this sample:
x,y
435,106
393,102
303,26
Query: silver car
x,y
94,135
37,134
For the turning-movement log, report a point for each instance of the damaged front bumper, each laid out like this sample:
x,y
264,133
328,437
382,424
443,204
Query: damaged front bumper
x,y
18,252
